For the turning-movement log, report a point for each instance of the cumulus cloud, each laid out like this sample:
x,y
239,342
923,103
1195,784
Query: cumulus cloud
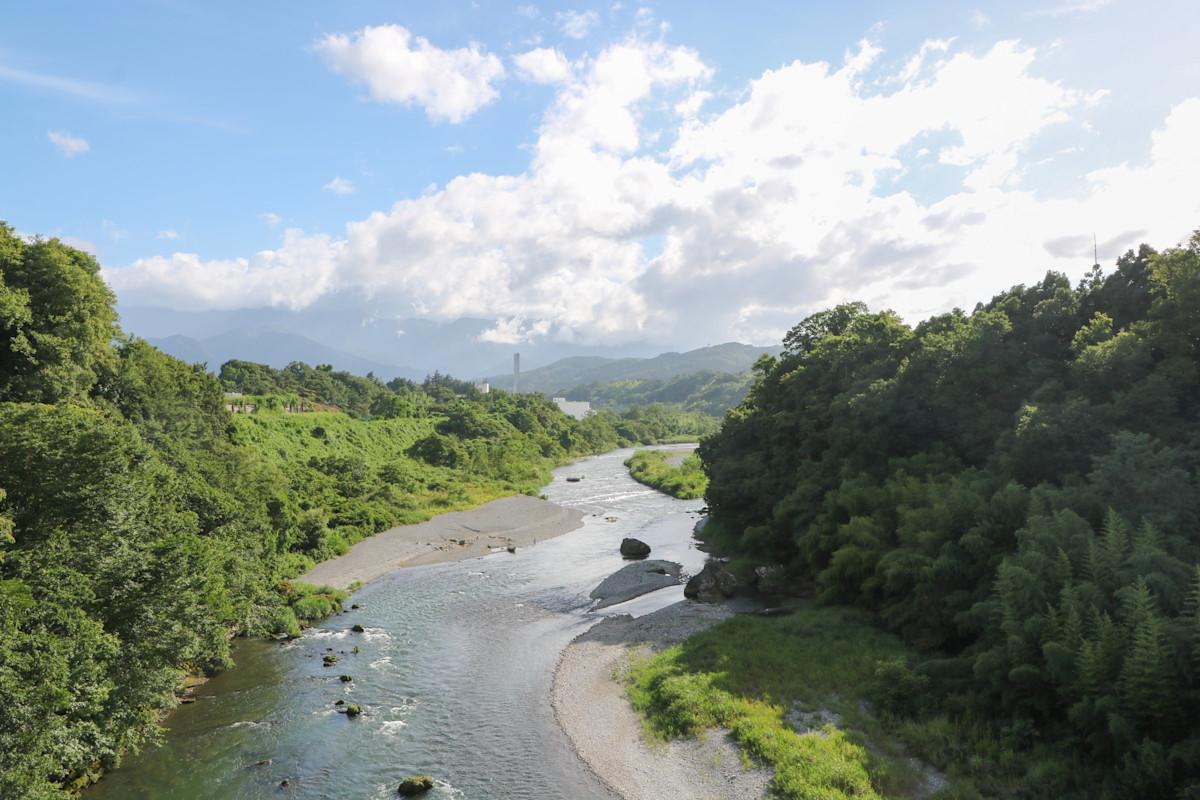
x,y
633,223
86,245
301,271
397,67
544,65
271,218
576,24
1069,7
339,185
70,146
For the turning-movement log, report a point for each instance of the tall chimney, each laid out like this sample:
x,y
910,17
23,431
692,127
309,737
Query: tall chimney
x,y
516,372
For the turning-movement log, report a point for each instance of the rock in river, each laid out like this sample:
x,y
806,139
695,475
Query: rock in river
x,y
634,580
634,548
418,784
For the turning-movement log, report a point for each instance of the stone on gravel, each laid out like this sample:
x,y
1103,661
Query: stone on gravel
x,y
712,584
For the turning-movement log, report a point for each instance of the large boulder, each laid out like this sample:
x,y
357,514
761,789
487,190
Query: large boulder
x,y
634,548
774,579
418,784
712,584
634,580
771,579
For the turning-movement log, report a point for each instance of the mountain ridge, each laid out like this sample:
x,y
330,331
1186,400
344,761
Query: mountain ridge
x,y
567,373
276,349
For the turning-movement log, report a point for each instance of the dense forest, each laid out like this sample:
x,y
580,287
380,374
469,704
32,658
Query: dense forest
x,y
1014,492
705,392
142,524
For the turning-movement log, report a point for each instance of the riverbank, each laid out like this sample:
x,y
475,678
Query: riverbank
x,y
591,707
516,521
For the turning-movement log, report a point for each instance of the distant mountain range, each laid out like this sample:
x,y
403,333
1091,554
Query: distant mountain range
x,y
276,349
412,348
570,372
344,338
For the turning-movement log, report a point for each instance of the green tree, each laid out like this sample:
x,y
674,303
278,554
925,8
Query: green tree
x,y
56,320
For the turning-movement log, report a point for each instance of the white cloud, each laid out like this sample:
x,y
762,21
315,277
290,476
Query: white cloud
x,y
85,245
294,276
70,146
528,11
168,234
690,106
544,65
576,24
1069,7
450,85
739,223
85,89
339,185
271,218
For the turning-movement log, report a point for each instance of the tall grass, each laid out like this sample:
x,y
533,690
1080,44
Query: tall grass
x,y
751,674
747,673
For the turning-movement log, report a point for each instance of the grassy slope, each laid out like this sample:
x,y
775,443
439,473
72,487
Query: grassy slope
x,y
292,440
748,673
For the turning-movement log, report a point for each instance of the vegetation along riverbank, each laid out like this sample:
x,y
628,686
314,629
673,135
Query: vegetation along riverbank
x,y
678,476
143,522
1012,492
1006,498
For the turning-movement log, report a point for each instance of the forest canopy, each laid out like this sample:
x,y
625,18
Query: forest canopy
x,y
1014,491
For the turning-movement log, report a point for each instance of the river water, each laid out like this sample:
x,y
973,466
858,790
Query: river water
x,y
453,673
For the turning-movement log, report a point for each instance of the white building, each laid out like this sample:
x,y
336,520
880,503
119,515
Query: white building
x,y
576,409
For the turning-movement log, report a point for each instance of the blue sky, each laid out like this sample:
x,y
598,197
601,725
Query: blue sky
x,y
684,173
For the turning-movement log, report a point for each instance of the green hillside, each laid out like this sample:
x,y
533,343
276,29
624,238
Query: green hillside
x,y
567,373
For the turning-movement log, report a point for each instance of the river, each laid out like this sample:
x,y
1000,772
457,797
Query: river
x,y
453,673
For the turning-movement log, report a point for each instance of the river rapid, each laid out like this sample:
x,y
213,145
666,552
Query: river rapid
x,y
453,673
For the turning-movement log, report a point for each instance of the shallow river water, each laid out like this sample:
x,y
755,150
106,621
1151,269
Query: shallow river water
x,y
453,673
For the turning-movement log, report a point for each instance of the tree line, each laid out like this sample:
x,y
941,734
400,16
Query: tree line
x,y
705,392
1014,491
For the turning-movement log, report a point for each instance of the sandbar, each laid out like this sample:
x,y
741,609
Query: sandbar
x,y
592,708
516,521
